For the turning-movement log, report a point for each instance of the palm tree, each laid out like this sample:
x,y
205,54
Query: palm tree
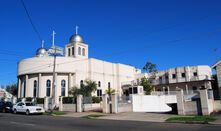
x,y
110,91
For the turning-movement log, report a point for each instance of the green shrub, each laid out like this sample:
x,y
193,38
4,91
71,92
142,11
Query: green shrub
x,y
40,100
28,98
96,99
69,100
19,99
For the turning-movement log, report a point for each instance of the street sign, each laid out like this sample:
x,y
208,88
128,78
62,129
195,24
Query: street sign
x,y
55,50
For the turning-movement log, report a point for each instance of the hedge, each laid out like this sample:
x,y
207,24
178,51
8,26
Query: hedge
x,y
96,99
69,100
40,100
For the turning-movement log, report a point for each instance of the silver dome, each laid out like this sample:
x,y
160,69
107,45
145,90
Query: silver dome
x,y
41,52
76,38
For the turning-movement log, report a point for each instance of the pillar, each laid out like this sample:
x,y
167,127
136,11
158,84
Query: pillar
x,y
204,102
23,99
39,90
61,103
168,88
79,103
27,93
69,84
187,89
105,104
114,103
19,87
46,103
180,102
14,100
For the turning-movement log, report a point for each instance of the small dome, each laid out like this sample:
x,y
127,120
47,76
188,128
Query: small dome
x,y
76,38
41,52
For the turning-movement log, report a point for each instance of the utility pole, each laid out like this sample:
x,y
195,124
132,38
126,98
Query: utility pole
x,y
54,65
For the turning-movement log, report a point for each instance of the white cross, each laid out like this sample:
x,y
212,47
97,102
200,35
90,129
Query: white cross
x,y
76,29
42,43
53,35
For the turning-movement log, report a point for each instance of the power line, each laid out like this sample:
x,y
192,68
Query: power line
x,y
30,20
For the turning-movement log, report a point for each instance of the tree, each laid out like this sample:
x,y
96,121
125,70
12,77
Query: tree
x,y
85,89
12,88
110,91
150,67
74,91
146,85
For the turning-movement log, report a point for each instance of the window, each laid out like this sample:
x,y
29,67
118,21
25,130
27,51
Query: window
x,y
183,75
83,52
99,84
174,76
81,83
195,74
72,51
48,88
167,77
35,88
69,52
79,50
134,90
109,85
63,84
24,89
194,88
99,93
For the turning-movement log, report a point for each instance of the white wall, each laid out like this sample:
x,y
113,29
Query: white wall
x,y
149,103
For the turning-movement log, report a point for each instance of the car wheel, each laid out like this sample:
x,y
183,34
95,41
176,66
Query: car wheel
x,y
27,112
15,111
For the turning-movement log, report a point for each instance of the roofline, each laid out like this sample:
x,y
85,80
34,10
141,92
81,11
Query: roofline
x,y
214,66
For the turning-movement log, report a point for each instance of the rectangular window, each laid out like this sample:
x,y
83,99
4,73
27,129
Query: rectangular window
x,y
62,91
48,91
174,76
134,90
99,93
69,52
183,75
195,74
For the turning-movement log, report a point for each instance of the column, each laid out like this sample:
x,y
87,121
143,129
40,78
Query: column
x,y
56,95
180,102
204,102
46,103
19,87
61,103
187,89
168,88
114,103
27,93
39,89
79,103
69,84
105,104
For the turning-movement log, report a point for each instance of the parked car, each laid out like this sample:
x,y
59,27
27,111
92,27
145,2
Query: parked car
x,y
27,108
5,106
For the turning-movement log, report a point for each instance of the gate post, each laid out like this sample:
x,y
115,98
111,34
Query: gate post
x,y
180,102
79,103
46,103
105,104
114,103
61,103
204,102
14,100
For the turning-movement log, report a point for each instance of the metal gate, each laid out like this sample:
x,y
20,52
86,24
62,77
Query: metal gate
x,y
124,104
89,106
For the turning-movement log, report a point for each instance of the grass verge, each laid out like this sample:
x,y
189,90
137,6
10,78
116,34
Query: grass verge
x,y
55,113
192,119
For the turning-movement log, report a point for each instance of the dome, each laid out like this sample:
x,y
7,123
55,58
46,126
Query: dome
x,y
41,52
76,38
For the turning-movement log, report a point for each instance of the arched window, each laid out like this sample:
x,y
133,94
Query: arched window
x,y
35,88
24,89
109,85
69,52
99,84
72,51
83,52
48,88
79,50
63,84
81,83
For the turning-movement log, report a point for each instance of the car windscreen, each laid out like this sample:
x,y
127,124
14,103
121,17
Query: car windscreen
x,y
29,104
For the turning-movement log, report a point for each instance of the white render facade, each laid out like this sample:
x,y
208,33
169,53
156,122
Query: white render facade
x,y
35,75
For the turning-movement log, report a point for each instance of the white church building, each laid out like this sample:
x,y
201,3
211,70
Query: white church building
x,y
35,74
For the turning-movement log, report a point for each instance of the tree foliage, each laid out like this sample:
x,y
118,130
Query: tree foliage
x,y
13,89
86,88
110,91
150,67
146,85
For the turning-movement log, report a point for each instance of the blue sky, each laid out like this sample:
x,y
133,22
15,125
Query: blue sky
x,y
169,33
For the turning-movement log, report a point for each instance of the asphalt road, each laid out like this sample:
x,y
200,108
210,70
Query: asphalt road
x,y
19,122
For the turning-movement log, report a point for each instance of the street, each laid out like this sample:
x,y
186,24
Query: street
x,y
19,122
